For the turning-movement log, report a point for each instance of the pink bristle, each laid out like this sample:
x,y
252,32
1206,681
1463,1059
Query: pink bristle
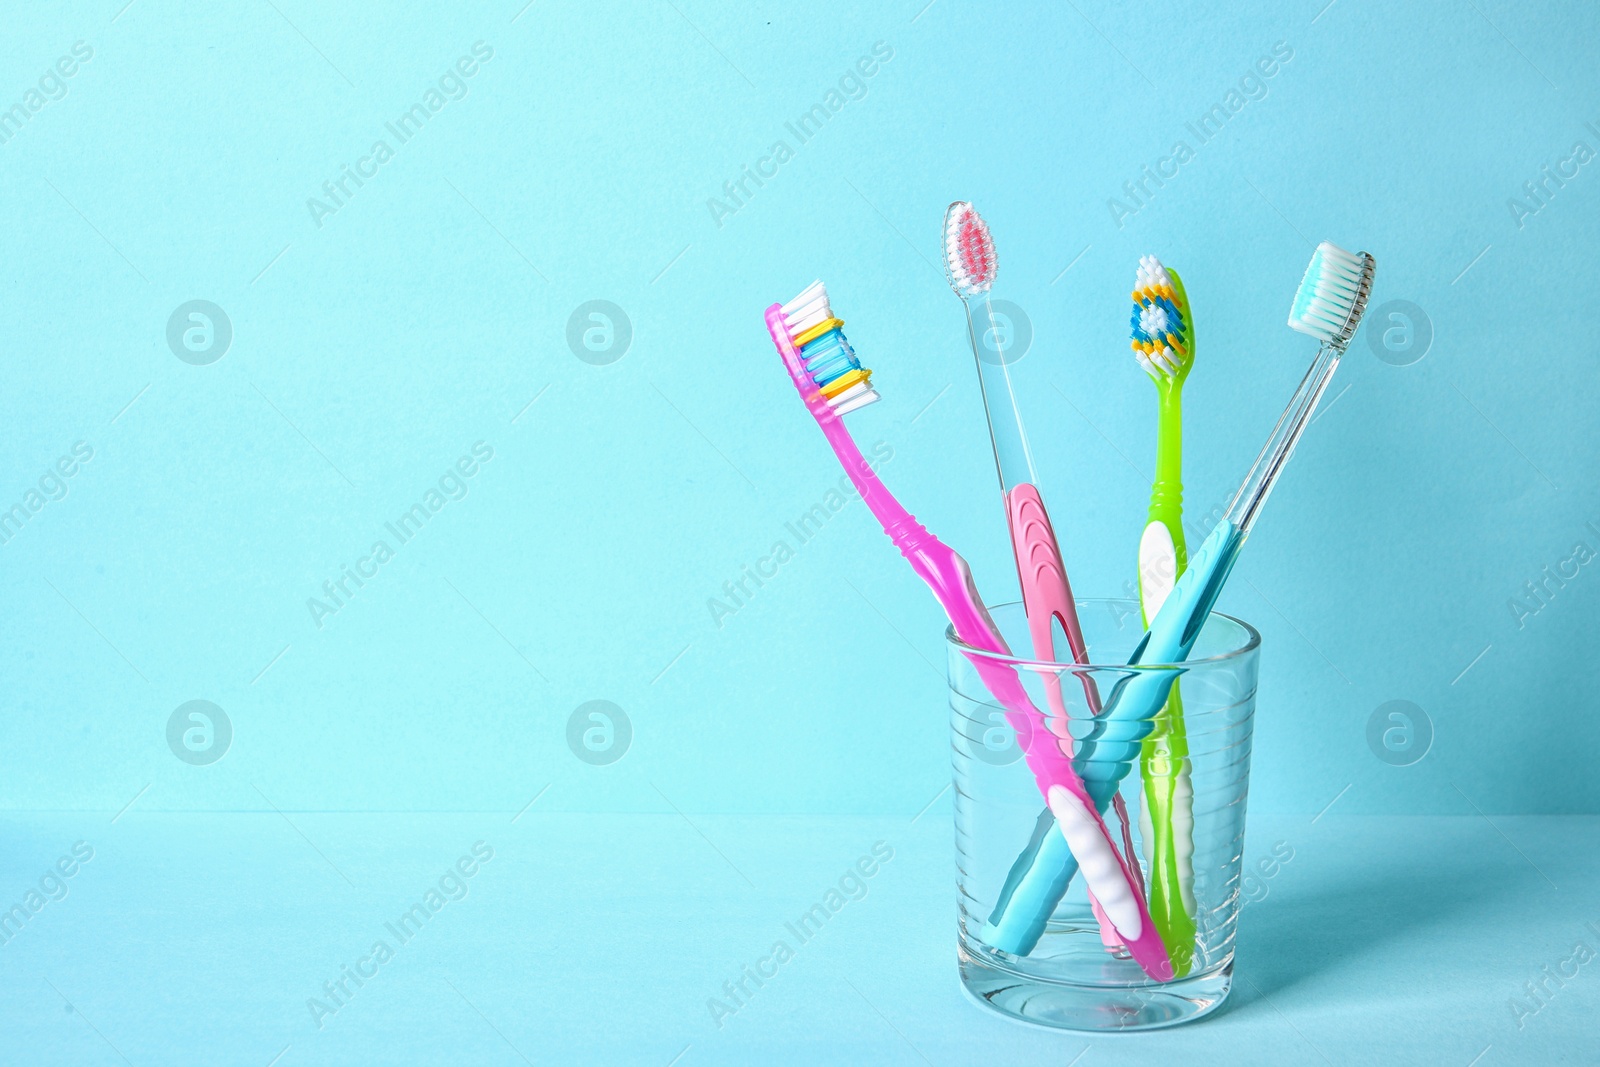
x,y
976,249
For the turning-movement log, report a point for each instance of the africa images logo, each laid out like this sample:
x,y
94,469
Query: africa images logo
x,y
199,733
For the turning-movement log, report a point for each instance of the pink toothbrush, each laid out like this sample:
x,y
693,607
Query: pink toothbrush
x,y
1047,599
831,381
971,266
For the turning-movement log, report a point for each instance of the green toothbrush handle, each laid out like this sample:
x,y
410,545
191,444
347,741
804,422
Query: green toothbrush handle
x,y
1166,493
1169,802
1164,755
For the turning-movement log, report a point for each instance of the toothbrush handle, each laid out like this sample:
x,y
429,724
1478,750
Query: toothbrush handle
x,y
1012,457
1047,598
1046,593
1163,759
1166,492
1263,476
1162,552
1171,636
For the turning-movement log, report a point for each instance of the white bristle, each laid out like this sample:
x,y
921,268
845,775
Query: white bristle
x,y
1332,295
1151,274
841,406
807,309
1153,319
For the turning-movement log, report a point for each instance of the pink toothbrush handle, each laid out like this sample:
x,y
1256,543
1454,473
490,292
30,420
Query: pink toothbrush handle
x,y
1046,594
946,573
1047,597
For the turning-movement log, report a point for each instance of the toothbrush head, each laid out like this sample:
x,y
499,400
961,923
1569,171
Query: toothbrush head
x,y
826,357
1333,295
1161,329
969,262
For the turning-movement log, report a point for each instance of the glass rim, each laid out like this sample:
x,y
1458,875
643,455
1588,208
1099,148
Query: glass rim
x,y
1252,642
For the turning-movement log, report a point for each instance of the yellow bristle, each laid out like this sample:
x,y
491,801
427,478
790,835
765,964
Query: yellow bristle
x,y
845,381
817,331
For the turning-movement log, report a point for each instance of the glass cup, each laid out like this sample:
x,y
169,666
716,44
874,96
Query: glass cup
x,y
1182,778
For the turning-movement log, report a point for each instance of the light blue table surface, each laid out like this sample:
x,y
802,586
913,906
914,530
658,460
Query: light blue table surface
x,y
199,939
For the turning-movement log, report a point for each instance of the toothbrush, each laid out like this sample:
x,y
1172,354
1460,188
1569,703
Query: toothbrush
x,y
831,381
1328,306
1163,341
970,267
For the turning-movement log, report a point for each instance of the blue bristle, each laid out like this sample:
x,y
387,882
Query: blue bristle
x,y
1174,319
829,357
1176,327
1308,286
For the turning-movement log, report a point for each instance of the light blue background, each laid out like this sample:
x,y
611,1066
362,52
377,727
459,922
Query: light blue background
x,y
372,351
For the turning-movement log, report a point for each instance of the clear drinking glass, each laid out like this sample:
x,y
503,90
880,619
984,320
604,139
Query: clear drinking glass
x,y
1069,978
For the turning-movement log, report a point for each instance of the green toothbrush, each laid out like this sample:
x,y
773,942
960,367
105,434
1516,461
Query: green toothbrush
x,y
1163,343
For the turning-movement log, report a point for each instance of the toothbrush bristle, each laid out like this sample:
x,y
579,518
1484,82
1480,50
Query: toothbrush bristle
x,y
828,359
1333,294
1160,322
969,259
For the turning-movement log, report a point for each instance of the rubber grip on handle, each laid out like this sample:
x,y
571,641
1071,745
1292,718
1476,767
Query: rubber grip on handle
x,y
1047,597
1046,593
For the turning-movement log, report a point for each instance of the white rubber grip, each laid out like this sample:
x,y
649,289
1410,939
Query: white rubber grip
x,y
1097,860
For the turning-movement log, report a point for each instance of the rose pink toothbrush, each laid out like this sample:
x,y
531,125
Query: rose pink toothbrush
x,y
1046,597
970,266
831,381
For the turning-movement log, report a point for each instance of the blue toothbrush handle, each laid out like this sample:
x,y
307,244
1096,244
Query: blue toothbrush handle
x,y
1041,874
1113,742
1038,880
1173,631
